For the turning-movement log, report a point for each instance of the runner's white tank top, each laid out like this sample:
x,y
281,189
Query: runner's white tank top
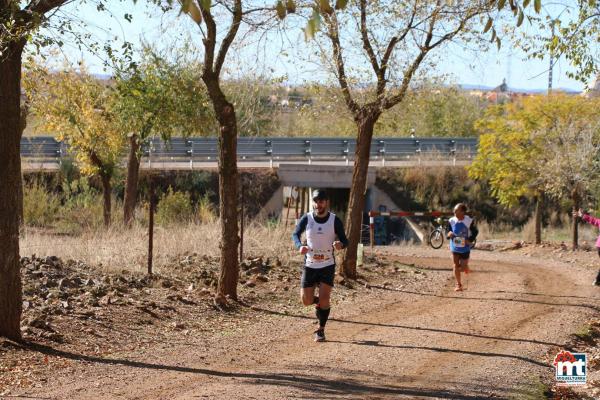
x,y
320,238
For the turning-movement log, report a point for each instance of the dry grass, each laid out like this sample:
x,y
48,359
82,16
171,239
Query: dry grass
x,y
587,233
117,248
493,231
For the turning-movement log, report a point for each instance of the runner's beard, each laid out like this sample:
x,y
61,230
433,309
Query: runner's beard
x,y
320,210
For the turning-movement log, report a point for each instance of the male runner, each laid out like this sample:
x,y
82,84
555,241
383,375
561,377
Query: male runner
x,y
462,232
321,227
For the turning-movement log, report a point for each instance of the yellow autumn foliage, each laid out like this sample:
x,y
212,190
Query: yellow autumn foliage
x,y
77,107
515,141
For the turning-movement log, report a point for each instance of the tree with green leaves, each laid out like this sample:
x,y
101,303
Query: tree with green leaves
x,y
433,110
430,110
376,49
159,96
19,21
254,115
507,157
80,109
539,145
568,166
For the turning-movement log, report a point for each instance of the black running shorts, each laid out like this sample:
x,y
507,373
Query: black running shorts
x,y
313,276
463,256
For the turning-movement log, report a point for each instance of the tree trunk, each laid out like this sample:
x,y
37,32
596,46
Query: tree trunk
x,y
106,194
11,192
576,204
358,191
228,203
228,189
539,201
20,205
131,185
24,114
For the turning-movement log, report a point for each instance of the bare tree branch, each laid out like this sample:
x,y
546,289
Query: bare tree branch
x,y
209,41
333,33
390,102
228,40
41,7
366,41
390,48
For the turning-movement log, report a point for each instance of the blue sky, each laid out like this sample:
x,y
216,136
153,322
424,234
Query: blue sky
x,y
488,68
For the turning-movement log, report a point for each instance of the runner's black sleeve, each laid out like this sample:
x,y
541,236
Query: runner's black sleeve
x,y
449,228
339,231
474,231
300,228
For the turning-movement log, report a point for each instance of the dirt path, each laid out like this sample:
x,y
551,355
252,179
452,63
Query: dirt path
x,y
491,341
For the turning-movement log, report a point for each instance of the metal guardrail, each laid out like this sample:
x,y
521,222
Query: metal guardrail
x,y
191,150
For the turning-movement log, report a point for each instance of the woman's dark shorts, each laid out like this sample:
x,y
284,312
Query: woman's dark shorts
x,y
463,256
313,276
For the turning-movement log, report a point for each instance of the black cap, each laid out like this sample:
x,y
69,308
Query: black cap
x,y
319,194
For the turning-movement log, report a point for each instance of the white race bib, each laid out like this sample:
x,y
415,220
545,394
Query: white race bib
x,y
319,256
459,241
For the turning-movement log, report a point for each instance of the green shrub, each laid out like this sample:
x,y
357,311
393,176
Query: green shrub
x,y
82,206
40,207
205,210
174,207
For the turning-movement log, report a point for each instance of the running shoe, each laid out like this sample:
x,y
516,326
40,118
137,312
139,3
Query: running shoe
x,y
320,335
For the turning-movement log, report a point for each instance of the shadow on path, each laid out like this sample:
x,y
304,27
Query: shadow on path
x,y
376,343
318,385
417,328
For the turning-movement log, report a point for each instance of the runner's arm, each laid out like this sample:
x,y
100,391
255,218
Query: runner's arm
x,y
300,228
474,232
449,230
591,220
339,231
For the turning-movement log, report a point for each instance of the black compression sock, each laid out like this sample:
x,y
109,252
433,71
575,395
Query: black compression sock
x,y
323,316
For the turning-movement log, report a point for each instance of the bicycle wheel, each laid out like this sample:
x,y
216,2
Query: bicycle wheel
x,y
473,244
436,239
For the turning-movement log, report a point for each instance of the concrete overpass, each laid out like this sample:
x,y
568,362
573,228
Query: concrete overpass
x,y
299,162
46,154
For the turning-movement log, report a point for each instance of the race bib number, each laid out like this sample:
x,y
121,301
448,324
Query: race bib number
x,y
318,256
460,242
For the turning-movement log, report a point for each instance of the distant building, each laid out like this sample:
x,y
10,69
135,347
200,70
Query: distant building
x,y
502,88
500,94
503,94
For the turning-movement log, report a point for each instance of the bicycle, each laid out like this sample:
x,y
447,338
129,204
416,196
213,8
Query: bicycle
x,y
437,236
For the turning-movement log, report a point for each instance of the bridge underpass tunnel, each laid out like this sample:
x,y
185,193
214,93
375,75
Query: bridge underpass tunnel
x,y
388,230
338,198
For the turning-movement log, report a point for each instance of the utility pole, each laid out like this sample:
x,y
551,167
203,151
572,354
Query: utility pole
x,y
551,61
